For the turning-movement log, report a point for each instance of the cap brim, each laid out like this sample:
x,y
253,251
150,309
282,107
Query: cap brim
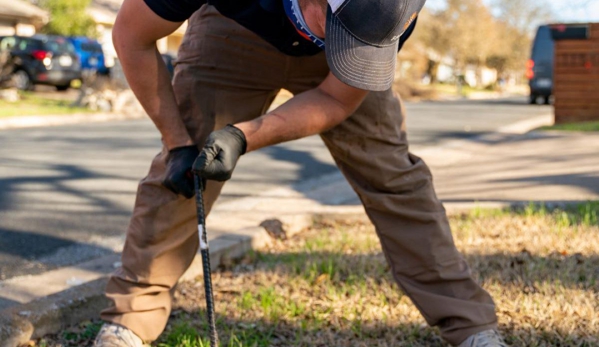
x,y
356,63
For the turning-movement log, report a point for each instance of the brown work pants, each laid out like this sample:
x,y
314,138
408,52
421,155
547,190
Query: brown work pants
x,y
226,74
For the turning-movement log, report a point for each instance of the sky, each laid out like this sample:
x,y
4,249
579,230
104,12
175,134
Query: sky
x,y
565,11
585,13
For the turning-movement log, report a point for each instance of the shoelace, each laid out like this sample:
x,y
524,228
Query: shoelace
x,y
121,333
490,338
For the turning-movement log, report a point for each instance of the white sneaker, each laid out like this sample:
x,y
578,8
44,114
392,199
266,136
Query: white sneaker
x,y
487,338
112,335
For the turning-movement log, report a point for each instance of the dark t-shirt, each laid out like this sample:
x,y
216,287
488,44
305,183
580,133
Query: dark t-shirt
x,y
266,18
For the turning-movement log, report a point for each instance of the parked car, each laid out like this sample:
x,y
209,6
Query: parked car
x,y
90,54
539,68
42,59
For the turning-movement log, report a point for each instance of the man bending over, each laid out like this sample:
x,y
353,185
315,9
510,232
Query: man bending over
x,y
338,59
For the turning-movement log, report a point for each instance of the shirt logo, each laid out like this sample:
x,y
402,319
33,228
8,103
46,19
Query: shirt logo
x,y
412,17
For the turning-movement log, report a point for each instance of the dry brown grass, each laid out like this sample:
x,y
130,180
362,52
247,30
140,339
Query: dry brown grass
x,y
330,286
542,273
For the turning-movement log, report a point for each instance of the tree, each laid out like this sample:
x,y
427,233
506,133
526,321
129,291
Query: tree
x,y
414,53
472,32
518,21
476,33
523,15
68,18
431,35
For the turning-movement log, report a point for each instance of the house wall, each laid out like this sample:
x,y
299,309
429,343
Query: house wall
x,y
7,27
25,29
168,44
105,39
487,76
173,44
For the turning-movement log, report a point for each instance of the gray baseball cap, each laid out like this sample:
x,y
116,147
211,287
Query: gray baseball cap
x,y
362,38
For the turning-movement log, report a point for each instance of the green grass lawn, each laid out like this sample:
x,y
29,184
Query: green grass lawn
x,y
417,91
34,105
582,126
450,89
331,286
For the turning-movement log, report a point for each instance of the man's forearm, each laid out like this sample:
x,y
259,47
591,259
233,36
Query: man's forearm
x,y
153,89
146,72
306,114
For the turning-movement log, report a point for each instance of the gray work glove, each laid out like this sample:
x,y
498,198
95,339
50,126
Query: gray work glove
x,y
179,177
220,154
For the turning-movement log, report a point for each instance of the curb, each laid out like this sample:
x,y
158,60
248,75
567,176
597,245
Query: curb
x,y
50,314
76,118
527,125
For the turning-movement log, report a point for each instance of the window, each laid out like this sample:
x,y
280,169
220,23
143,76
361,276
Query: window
x,y
91,47
59,45
24,44
7,43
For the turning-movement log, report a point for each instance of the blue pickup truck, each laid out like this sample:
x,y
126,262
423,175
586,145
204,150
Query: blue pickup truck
x,y
90,54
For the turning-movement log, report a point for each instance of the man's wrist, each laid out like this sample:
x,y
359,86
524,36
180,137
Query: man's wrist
x,y
176,143
246,129
240,137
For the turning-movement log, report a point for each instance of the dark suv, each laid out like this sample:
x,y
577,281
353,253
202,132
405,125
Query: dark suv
x,y
42,59
539,69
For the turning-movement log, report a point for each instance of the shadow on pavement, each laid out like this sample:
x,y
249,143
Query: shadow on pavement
x,y
32,253
40,231
586,181
62,174
533,167
309,166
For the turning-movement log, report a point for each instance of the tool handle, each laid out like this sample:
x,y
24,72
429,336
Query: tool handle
x,y
205,252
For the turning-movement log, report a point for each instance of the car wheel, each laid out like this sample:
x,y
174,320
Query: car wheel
x,y
532,99
22,81
63,88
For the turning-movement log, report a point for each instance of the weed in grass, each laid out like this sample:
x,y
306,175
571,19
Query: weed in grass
x,y
295,309
182,334
247,301
82,334
581,126
585,214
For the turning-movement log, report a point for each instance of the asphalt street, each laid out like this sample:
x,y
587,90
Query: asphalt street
x,y
66,192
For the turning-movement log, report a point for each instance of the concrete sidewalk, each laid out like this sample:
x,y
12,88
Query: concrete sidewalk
x,y
494,170
539,166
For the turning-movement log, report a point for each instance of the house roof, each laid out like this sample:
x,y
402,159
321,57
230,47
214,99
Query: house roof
x,y
21,10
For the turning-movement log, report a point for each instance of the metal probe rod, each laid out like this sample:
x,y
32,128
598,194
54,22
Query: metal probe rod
x,y
205,260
